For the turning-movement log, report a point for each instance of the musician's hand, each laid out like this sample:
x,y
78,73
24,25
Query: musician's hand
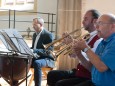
x,y
41,52
35,50
31,50
36,55
67,40
79,44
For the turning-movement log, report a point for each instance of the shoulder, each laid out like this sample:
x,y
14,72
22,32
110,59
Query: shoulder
x,y
47,34
45,31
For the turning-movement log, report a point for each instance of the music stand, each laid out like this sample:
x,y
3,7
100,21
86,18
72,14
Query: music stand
x,y
15,43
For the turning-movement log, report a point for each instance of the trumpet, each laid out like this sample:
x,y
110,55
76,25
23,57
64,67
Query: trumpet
x,y
59,52
50,44
68,48
86,37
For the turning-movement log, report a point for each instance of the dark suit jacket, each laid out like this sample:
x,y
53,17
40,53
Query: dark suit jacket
x,y
46,37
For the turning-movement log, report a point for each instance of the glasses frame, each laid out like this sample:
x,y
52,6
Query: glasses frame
x,y
102,23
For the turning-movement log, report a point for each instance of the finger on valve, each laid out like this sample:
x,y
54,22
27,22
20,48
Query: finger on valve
x,y
67,40
64,36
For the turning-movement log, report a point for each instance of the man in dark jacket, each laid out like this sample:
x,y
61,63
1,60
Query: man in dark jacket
x,y
42,57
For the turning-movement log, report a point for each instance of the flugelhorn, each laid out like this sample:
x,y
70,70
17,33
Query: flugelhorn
x,y
86,37
59,52
52,43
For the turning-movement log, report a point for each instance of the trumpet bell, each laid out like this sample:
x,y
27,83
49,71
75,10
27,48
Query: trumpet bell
x,y
58,40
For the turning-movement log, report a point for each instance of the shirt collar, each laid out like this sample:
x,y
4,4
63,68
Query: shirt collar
x,y
93,33
40,31
109,38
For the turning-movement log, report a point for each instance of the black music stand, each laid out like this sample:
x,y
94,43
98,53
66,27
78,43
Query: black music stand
x,y
15,43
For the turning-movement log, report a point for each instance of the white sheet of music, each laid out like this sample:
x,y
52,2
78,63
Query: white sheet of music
x,y
4,46
8,42
15,41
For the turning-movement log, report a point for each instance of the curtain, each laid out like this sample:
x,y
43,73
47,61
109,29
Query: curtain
x,y
68,19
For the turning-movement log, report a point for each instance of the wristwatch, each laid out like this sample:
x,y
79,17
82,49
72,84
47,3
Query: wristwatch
x,y
86,49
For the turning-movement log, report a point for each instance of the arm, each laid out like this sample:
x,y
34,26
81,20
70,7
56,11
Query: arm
x,y
96,61
86,63
93,58
46,38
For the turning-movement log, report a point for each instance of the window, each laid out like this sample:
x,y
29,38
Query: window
x,y
17,4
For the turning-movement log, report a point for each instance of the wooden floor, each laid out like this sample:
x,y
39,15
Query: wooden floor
x,y
4,83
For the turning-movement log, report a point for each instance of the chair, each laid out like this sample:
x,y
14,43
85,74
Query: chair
x,y
45,70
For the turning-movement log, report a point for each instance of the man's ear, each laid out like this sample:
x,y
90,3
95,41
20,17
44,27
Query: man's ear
x,y
40,25
94,20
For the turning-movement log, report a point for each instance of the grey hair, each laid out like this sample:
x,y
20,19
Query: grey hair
x,y
41,21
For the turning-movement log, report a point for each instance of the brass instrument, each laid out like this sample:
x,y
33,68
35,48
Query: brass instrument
x,y
59,52
67,47
86,37
50,44
70,51
56,54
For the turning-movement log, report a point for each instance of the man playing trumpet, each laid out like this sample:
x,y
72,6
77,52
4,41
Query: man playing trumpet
x,y
102,62
80,74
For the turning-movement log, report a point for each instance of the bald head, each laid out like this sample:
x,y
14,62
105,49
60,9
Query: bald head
x,y
109,17
106,25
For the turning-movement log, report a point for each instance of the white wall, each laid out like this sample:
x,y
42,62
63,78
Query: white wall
x,y
48,6
104,6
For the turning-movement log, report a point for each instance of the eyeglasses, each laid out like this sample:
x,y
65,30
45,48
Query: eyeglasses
x,y
101,23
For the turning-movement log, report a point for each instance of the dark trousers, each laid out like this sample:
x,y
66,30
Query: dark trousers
x,y
63,78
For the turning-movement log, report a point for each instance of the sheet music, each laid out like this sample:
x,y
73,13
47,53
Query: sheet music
x,y
14,41
8,42
4,42
3,45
